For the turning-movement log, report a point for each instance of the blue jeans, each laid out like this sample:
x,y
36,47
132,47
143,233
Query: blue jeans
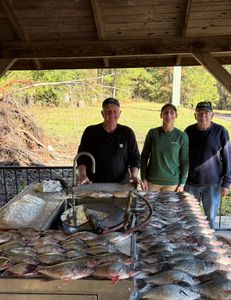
x,y
210,197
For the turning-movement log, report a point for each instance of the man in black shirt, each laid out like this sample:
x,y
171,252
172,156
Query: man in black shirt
x,y
113,146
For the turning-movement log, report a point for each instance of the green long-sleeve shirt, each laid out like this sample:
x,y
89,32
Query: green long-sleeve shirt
x,y
164,158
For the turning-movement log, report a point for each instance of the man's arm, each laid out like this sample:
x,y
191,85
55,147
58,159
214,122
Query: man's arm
x,y
134,175
226,161
82,179
184,162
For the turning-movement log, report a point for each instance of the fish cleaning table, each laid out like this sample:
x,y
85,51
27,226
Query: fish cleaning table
x,y
33,209
39,289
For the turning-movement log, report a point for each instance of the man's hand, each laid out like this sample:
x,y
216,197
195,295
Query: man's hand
x,y
144,185
83,180
179,188
135,180
224,191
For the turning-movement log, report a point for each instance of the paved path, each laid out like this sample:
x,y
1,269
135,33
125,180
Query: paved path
x,y
226,117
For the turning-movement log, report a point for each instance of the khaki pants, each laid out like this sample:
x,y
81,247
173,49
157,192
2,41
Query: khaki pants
x,y
161,188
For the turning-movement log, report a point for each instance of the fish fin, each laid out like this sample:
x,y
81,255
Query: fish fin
x,y
115,279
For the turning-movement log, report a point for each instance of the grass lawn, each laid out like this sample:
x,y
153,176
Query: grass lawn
x,y
64,126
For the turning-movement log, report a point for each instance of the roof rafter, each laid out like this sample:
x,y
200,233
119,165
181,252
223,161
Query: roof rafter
x,y
97,12
17,25
188,4
112,48
214,68
5,65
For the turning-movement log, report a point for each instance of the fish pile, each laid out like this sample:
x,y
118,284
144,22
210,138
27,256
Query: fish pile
x,y
57,255
179,256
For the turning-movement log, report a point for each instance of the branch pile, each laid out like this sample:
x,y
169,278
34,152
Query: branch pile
x,y
22,141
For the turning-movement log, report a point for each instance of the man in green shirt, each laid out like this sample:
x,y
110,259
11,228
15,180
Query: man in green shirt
x,y
164,158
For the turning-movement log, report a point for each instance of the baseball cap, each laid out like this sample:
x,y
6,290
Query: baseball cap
x,y
206,105
110,101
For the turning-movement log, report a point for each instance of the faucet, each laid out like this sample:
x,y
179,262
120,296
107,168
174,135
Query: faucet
x,y
75,164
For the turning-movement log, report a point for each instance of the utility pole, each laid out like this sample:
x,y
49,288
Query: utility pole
x,y
176,86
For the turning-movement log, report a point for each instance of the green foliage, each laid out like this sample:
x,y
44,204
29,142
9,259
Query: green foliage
x,y
198,85
224,96
153,85
226,205
77,87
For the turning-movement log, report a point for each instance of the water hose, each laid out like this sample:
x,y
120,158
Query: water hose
x,y
135,228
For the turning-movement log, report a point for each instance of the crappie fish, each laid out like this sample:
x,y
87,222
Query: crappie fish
x,y
89,261
4,263
216,289
154,258
155,268
169,292
172,259
149,249
171,277
21,269
197,267
207,241
6,236
113,257
151,239
55,234
215,256
83,235
202,229
42,241
50,258
22,250
50,248
114,271
99,250
74,245
23,258
11,244
114,237
216,275
73,253
28,233
193,249
67,270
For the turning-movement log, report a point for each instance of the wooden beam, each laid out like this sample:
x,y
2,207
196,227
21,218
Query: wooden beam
x,y
114,48
5,65
97,12
160,61
106,62
17,26
178,60
37,64
14,20
214,68
186,16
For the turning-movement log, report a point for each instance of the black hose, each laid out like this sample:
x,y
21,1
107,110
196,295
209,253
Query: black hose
x,y
138,227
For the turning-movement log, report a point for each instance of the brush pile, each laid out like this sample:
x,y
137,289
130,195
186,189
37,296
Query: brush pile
x,y
22,141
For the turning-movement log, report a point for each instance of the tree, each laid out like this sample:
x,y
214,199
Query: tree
x,y
197,85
